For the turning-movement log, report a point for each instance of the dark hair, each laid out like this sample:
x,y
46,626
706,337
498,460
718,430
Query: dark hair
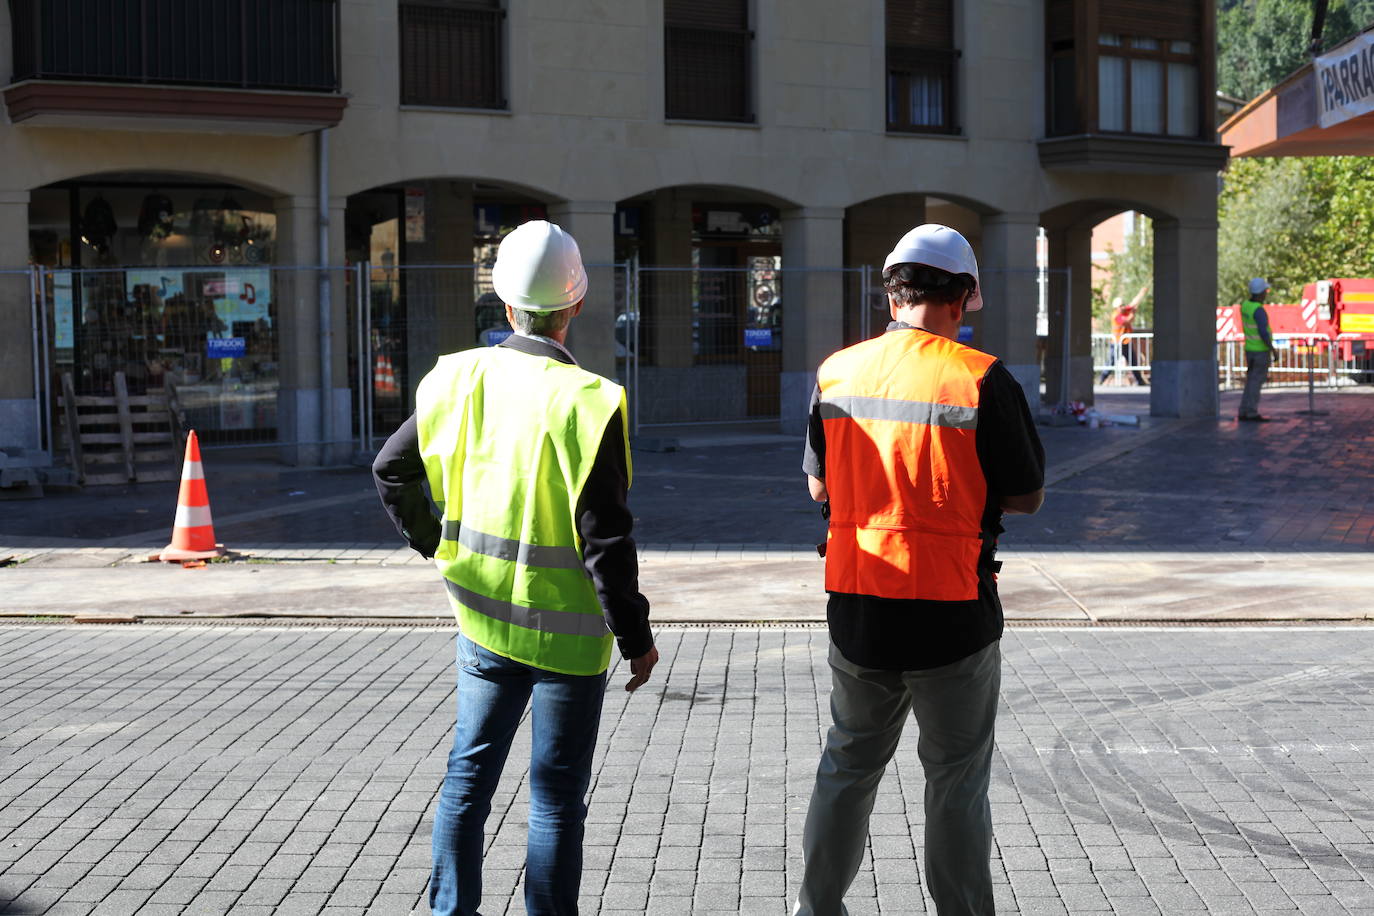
x,y
919,284
542,323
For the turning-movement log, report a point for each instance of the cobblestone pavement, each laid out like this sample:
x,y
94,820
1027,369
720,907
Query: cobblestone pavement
x,y
246,770
1299,483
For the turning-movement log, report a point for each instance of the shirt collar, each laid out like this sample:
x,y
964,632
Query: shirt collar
x,y
539,345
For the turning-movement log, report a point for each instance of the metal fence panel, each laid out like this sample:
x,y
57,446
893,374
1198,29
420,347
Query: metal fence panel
x,y
708,342
406,317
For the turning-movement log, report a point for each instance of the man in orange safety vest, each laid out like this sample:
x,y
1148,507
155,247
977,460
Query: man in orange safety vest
x,y
917,444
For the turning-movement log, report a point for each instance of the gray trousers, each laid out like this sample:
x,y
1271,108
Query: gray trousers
x,y
955,708
1256,371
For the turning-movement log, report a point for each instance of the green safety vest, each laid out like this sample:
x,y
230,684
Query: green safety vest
x,y
1253,342
508,441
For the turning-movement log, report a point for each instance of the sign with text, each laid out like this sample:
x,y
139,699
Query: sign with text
x,y
758,337
226,347
1345,81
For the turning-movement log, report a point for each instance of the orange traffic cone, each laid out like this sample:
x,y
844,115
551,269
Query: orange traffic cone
x,y
193,536
384,378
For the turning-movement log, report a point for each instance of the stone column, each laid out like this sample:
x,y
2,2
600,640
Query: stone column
x,y
295,299
592,336
1071,252
439,302
1183,364
813,304
871,229
666,298
19,424
1006,325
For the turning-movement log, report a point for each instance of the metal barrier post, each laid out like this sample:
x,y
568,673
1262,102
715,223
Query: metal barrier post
x,y
358,280
1311,410
35,318
866,303
1068,319
633,307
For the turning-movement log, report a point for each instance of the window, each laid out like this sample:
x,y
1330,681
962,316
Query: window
x,y
921,62
451,53
708,60
1147,86
1129,66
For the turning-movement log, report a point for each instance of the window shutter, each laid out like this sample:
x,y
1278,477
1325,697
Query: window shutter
x,y
708,51
451,54
920,23
1059,20
732,15
1169,20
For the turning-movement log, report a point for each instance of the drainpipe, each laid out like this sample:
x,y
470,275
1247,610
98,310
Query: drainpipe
x,y
326,316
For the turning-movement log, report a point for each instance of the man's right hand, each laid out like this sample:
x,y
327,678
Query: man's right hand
x,y
641,668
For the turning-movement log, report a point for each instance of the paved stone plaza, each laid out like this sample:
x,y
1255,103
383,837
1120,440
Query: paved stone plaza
x,y
254,769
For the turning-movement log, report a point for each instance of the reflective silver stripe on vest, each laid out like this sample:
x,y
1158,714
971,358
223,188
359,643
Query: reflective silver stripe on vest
x,y
491,545
923,412
566,623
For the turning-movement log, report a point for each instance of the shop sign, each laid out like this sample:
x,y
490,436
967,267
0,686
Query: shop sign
x,y
627,221
493,221
493,336
1345,81
226,347
758,337
736,221
415,214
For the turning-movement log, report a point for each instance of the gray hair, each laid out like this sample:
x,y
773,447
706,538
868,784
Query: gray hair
x,y
542,324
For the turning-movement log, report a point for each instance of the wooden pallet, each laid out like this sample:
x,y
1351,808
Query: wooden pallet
x,y
125,438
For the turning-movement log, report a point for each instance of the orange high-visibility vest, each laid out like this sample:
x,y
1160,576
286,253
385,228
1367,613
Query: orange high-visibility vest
x,y
907,491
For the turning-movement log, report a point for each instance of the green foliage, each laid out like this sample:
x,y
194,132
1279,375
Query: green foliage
x,y
1259,42
1128,271
1293,221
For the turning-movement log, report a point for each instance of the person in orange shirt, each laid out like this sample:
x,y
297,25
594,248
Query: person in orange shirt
x,y
1123,323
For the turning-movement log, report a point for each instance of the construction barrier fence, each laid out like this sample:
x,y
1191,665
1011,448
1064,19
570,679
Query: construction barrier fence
x,y
234,350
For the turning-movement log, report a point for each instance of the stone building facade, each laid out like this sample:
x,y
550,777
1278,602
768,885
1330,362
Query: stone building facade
x,y
669,134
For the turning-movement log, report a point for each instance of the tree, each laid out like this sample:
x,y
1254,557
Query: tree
x,y
1259,42
1293,221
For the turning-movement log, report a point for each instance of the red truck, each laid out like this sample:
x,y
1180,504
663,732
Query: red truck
x,y
1340,310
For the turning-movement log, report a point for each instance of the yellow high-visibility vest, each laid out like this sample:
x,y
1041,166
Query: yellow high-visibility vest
x,y
508,441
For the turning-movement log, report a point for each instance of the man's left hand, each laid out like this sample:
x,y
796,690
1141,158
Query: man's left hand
x,y
641,668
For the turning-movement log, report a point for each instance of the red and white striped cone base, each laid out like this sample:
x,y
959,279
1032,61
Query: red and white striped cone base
x,y
193,535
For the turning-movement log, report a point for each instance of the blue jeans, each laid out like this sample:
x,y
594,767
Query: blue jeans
x,y
492,694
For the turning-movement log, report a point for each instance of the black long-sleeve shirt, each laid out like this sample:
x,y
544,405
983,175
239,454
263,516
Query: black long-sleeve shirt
x,y
603,517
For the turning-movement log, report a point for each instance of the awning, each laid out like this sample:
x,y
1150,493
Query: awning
x,y
1336,88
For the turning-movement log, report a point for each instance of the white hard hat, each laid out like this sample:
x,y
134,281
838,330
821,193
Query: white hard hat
x,y
1258,285
942,247
539,268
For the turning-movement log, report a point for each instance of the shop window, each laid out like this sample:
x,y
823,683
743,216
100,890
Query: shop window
x,y
452,53
708,60
921,66
1147,86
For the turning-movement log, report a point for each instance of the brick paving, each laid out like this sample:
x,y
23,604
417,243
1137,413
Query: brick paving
x,y
1298,483
245,770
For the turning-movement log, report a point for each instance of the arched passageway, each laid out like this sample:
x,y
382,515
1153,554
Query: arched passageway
x,y
1181,297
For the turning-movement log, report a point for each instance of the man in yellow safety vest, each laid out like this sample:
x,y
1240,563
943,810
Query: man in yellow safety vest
x,y
526,456
1259,350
